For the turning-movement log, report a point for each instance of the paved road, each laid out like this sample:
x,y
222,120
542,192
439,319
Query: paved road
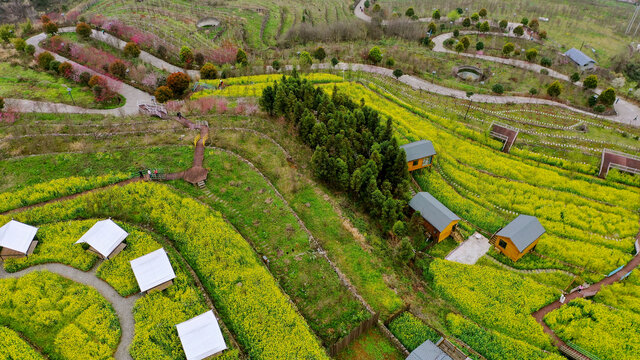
x,y
122,306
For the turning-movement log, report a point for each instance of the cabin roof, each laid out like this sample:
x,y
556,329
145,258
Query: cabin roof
x,y
433,210
104,236
152,269
201,336
579,57
17,236
428,351
418,150
522,231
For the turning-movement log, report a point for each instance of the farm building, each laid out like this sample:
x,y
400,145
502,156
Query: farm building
x,y
581,59
419,154
438,220
105,238
17,240
201,336
519,237
153,271
428,351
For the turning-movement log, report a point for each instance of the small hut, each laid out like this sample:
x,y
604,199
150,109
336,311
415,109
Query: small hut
x,y
201,336
419,154
428,351
519,237
583,61
105,238
153,271
17,240
438,219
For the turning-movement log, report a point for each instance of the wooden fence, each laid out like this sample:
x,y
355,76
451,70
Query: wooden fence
x,y
354,334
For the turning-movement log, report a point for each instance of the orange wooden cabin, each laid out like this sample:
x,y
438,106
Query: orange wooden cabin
x,y
438,220
419,154
519,237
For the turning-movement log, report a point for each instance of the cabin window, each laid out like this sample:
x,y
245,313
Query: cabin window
x,y
502,244
427,161
415,162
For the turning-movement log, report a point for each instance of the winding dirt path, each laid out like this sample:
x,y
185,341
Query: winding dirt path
x,y
122,306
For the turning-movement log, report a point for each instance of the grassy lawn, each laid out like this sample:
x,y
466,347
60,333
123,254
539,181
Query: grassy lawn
x,y
252,205
22,83
371,345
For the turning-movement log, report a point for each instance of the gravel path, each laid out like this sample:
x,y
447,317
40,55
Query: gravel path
x,y
122,306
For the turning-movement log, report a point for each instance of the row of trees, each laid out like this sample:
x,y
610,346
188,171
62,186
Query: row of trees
x,y
354,151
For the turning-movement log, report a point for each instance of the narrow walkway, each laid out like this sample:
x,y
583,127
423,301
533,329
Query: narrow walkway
x,y
122,306
470,251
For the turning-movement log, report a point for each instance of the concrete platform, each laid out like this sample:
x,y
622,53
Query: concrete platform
x,y
470,251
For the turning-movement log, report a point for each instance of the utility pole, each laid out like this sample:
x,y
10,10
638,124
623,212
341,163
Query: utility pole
x,y
633,19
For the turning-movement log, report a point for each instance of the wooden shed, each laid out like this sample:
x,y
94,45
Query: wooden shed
x,y
17,240
419,154
438,220
519,237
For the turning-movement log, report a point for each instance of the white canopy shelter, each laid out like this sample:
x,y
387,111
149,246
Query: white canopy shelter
x,y
201,336
17,236
152,269
104,237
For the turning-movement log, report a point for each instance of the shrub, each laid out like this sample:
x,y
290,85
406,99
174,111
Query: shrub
x,y
96,80
466,22
592,100
397,73
543,34
83,30
305,59
519,30
459,47
19,44
186,55
199,59
375,55
30,49
544,71
485,27
590,82
162,52
50,28
503,24
608,97
498,89
456,33
54,65
241,57
178,82
524,21
436,14
7,32
483,12
599,108
531,54
118,69
65,69
475,17
534,25
131,50
209,71
319,53
410,12
575,77
555,89
479,45
276,65
508,48
163,94
84,78
432,28
44,59
533,91
466,42
390,62
334,61
545,61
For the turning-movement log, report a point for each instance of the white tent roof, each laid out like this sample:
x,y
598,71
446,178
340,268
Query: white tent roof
x,y
104,236
152,269
201,336
17,236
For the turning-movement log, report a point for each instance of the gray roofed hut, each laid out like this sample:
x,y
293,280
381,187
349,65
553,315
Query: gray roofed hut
x,y
428,351
419,154
519,237
438,219
581,59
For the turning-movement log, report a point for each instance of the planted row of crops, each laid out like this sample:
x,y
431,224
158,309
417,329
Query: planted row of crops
x,y
248,298
13,347
610,334
65,319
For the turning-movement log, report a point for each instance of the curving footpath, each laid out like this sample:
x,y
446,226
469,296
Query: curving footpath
x,y
625,111
122,306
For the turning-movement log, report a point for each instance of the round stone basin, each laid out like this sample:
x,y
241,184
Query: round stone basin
x,y
468,75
